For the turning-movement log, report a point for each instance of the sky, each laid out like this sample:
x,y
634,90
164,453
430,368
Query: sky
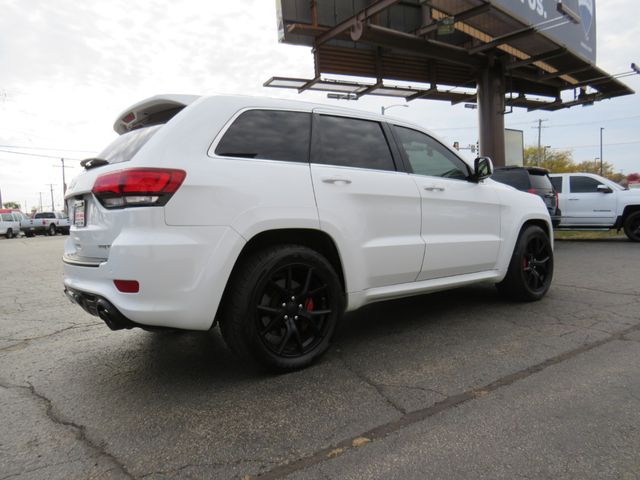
x,y
68,68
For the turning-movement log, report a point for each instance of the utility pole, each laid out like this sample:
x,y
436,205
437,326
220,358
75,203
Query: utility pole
x,y
64,183
601,157
53,208
40,193
540,139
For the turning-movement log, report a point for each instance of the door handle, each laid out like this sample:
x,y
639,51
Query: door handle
x,y
432,188
334,180
574,199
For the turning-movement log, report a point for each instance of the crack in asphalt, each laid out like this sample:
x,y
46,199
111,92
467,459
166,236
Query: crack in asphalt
x,y
577,287
173,471
80,430
376,386
22,342
408,419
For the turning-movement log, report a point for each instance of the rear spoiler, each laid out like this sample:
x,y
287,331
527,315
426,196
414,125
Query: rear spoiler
x,y
151,111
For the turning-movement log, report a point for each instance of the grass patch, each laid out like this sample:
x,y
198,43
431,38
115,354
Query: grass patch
x,y
585,235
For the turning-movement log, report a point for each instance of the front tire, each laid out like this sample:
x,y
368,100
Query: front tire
x,y
531,268
632,227
282,307
9,233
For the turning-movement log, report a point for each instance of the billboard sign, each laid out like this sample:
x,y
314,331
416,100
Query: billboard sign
x,y
514,147
580,39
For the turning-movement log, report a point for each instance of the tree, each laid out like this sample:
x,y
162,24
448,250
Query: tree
x,y
14,205
559,161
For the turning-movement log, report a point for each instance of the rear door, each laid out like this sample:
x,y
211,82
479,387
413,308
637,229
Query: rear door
x,y
460,219
365,202
585,205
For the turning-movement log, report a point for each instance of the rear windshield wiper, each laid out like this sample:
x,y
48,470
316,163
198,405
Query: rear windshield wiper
x,y
90,163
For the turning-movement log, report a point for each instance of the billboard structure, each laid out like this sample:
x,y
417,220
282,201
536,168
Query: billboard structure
x,y
534,54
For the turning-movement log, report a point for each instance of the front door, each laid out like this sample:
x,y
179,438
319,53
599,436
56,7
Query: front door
x,y
460,219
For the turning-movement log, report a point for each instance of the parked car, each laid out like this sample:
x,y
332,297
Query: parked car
x,y
533,180
235,210
9,223
592,202
49,223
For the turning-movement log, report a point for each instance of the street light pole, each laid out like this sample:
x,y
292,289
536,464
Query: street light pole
x,y
384,109
601,157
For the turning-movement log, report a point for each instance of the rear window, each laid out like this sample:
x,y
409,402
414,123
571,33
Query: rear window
x,y
268,135
6,217
45,215
517,178
123,148
540,182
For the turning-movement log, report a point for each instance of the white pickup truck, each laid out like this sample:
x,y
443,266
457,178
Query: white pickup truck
x,y
591,202
48,223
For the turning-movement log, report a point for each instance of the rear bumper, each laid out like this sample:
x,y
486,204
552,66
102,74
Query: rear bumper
x,y
182,272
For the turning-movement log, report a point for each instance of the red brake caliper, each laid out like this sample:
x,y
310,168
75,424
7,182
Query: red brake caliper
x,y
308,304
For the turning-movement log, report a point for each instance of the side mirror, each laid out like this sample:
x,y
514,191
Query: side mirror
x,y
482,168
603,189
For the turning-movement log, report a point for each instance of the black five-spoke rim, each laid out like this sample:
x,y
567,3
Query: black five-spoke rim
x,y
293,310
536,263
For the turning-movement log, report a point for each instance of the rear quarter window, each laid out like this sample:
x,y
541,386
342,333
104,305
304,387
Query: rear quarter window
x,y
517,178
557,183
268,135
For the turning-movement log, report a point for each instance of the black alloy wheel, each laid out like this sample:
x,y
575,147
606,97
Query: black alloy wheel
x,y
535,263
531,268
293,310
282,307
632,227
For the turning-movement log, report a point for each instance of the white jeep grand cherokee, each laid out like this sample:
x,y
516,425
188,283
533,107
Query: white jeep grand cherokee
x,y
273,218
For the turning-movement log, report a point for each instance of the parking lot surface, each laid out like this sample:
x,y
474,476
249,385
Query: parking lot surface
x,y
452,385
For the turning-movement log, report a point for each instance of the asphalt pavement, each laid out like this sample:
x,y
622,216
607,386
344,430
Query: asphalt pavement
x,y
453,385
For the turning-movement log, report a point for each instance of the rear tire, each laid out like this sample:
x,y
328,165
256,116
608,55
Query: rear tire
x,y
632,227
9,233
531,268
51,231
281,307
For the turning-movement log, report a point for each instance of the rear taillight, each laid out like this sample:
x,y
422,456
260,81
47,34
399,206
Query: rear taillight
x,y
127,286
137,187
532,190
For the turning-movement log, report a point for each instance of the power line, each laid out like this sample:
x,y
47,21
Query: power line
x,y
39,155
473,127
46,148
637,142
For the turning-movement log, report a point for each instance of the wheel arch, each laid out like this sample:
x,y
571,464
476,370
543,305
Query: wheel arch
x,y
628,210
317,240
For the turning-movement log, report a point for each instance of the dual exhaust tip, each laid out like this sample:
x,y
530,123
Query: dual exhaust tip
x,y
100,307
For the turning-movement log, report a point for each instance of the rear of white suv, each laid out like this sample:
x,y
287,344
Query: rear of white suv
x,y
274,217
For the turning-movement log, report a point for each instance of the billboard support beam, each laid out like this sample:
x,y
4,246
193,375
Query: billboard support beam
x,y
491,104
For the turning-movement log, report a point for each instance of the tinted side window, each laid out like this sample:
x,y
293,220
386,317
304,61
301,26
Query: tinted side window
x,y
428,157
269,135
557,183
517,178
353,142
584,185
6,217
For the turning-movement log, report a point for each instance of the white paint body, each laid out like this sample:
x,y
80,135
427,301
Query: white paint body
x,y
393,237
594,209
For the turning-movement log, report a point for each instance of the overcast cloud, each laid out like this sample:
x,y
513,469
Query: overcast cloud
x,y
68,68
